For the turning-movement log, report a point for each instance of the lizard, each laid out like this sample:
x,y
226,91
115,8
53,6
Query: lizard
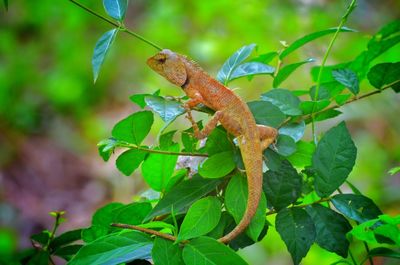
x,y
230,111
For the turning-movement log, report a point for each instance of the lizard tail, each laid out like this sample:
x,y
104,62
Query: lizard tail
x,y
253,166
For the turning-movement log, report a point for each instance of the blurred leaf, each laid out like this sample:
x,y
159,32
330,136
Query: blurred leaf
x,y
157,169
208,251
114,249
333,159
347,78
284,100
265,57
266,113
356,207
101,49
5,4
218,142
165,252
236,196
42,237
342,99
331,229
294,129
134,128
66,238
67,252
224,74
394,170
251,68
217,165
132,213
168,110
285,71
285,145
325,115
310,37
40,258
297,230
384,252
282,187
309,107
385,74
303,156
201,218
116,8
183,195
129,161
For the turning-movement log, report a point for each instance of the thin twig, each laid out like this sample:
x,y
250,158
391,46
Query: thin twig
x,y
303,205
120,26
132,146
145,230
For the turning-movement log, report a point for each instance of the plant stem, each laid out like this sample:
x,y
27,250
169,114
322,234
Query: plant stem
x,y
115,24
303,205
352,257
132,146
342,22
53,232
371,261
145,230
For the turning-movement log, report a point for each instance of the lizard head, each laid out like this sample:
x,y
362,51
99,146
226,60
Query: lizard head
x,y
170,65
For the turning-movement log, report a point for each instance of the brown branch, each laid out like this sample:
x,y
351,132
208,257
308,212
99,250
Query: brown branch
x,y
132,146
303,205
145,230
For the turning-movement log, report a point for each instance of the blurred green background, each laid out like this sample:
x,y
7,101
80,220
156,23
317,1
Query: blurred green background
x,y
52,116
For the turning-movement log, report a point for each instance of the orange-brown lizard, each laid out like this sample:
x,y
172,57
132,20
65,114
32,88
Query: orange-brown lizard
x,y
233,114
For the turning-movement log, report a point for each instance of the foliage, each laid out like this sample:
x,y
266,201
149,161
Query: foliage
x,y
196,210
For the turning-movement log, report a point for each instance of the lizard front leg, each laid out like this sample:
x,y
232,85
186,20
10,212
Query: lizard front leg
x,y
201,134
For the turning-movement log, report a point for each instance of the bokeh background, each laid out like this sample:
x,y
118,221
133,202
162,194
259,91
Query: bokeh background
x,y
52,115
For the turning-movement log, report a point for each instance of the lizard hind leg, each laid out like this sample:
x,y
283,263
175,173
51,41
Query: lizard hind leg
x,y
201,134
267,135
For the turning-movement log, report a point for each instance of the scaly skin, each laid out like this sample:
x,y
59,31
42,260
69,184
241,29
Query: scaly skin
x,y
231,111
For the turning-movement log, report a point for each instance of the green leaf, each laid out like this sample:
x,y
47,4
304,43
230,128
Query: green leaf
x,y
251,68
218,165
309,107
356,207
66,238
129,161
42,237
218,142
132,213
285,145
325,115
333,159
385,74
310,37
384,252
168,110
176,178
101,49
202,217
342,99
114,249
40,258
208,251
165,252
266,113
282,187
5,4
284,100
183,195
134,128
218,231
139,99
287,70
297,230
302,157
331,229
236,196
157,169
294,129
224,74
106,148
348,78
116,8
265,57
394,171
94,232
67,252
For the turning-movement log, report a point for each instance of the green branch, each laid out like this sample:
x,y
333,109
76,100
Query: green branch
x,y
120,26
132,146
